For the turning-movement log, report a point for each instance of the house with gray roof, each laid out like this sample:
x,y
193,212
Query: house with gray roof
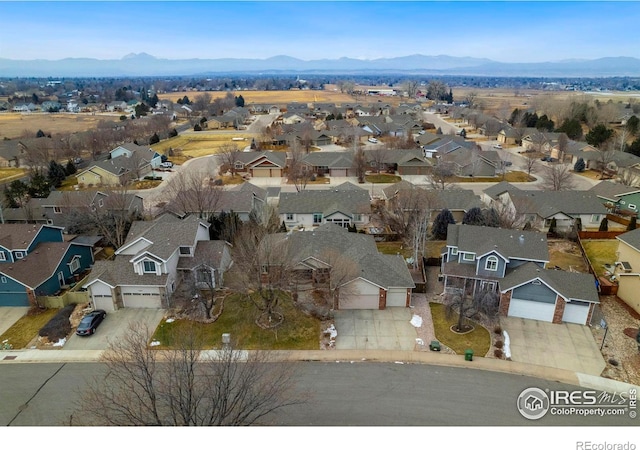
x,y
268,164
540,208
126,162
512,263
343,205
618,198
331,164
152,262
349,263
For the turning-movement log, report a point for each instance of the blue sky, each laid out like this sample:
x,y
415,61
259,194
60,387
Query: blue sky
x,y
503,31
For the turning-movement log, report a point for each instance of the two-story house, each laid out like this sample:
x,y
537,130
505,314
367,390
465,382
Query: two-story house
x,y
155,258
512,262
127,162
36,261
343,205
618,198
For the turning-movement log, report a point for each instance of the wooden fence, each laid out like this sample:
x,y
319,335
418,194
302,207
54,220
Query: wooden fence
x,y
72,296
599,234
606,287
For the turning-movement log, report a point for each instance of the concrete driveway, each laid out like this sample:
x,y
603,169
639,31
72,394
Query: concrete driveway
x,y
10,315
115,325
564,346
387,329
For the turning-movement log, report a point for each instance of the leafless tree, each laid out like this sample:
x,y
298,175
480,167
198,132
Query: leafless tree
x,y
298,171
378,157
628,178
471,99
563,143
411,87
558,177
229,154
508,216
442,175
606,154
192,192
359,163
185,387
530,162
201,103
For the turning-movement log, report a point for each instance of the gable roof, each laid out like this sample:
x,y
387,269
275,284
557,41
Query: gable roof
x,y
611,191
570,285
39,265
500,188
346,198
527,245
631,238
118,272
18,236
548,203
249,158
332,160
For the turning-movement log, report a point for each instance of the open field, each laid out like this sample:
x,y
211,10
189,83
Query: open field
x,y
277,97
14,125
194,145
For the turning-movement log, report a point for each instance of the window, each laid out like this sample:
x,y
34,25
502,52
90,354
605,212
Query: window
x,y
49,222
3,279
57,210
238,165
467,256
357,217
19,255
3,257
100,203
491,263
149,266
454,251
632,206
289,216
317,218
184,250
74,264
595,218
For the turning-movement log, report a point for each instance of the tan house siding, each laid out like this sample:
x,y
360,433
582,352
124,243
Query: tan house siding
x,y
97,176
629,285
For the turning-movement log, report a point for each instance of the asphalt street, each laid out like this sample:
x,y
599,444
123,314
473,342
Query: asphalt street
x,y
340,394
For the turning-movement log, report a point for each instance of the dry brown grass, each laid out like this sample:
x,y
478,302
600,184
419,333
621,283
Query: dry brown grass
x,y
193,145
276,97
14,125
11,173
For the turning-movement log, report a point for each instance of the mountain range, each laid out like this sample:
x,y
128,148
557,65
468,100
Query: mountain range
x,y
143,64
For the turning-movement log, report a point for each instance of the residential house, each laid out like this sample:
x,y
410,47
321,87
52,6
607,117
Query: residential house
x,y
156,256
464,158
628,268
267,164
618,198
541,141
512,264
126,163
343,205
36,261
403,161
348,263
331,164
540,208
13,153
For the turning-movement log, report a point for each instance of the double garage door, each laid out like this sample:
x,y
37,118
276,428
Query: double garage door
x,y
148,298
574,312
395,297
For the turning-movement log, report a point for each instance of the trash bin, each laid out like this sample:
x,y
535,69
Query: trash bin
x,y
468,355
434,346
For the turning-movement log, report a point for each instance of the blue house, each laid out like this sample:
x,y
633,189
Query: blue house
x,y
35,261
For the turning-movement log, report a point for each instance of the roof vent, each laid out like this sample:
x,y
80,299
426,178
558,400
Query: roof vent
x,y
521,238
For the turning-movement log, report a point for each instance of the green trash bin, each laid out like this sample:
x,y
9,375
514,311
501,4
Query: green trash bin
x,y
468,355
434,346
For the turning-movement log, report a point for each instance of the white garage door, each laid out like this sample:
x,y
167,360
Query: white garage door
x,y
397,297
359,302
146,299
576,312
528,309
103,302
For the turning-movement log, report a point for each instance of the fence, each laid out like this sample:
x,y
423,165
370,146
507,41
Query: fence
x,y
606,287
599,234
71,296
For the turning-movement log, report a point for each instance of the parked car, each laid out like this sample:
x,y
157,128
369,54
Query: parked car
x,y
166,165
90,322
497,146
373,140
508,163
548,159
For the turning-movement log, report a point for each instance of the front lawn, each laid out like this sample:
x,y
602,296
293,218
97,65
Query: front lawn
x,y
11,173
26,328
297,332
514,176
382,178
479,339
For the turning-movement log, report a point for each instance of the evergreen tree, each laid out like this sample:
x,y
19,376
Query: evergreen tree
x,y
579,166
441,223
572,128
491,218
598,135
197,127
604,225
283,227
70,169
632,223
39,186
463,133
553,225
16,193
154,139
153,101
173,133
40,134
473,217
56,174
239,101
439,130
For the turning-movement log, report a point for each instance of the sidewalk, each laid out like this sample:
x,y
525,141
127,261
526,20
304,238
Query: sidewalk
x,y
337,356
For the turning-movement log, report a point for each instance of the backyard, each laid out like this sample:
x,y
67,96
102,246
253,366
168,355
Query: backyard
x,y
566,255
600,252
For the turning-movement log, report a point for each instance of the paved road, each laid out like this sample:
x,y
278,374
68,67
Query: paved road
x,y
358,393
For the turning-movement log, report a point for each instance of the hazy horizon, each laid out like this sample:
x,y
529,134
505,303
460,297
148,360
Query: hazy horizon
x,y
503,31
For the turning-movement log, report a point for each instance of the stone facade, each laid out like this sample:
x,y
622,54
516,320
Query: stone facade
x,y
559,311
505,300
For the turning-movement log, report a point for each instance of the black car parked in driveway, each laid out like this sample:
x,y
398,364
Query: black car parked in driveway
x,y
90,322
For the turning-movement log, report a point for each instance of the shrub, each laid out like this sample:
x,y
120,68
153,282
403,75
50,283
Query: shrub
x,y
497,329
498,353
499,344
58,327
